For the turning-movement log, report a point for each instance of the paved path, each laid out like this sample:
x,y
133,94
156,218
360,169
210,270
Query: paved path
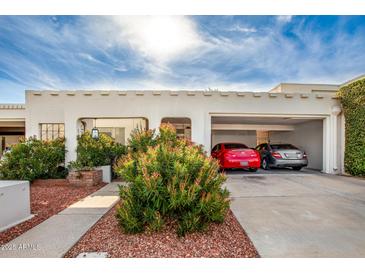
x,y
55,236
301,214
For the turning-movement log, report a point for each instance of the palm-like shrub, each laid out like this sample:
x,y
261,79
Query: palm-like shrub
x,y
170,179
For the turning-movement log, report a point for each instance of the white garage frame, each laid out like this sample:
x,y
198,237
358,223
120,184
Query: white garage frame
x,y
330,157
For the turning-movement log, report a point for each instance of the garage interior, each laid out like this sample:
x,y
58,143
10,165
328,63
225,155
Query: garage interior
x,y
10,133
304,133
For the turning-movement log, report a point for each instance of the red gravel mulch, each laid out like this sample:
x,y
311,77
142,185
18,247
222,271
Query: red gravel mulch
x,y
47,198
227,240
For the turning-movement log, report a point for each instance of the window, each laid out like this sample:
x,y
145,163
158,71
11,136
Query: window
x,y
117,133
52,131
283,146
181,124
234,146
216,148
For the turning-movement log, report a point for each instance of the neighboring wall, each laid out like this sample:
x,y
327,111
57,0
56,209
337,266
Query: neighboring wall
x,y
307,136
304,88
247,137
12,112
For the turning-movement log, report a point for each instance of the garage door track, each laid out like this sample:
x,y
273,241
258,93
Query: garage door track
x,y
301,214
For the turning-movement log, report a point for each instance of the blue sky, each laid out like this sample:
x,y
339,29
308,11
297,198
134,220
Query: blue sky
x,y
174,52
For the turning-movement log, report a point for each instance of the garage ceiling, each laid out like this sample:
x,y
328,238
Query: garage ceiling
x,y
260,120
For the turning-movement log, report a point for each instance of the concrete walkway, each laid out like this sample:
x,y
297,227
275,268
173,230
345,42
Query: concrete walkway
x,y
55,236
301,214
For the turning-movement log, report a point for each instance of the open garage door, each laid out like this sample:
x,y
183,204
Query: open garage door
x,y
304,133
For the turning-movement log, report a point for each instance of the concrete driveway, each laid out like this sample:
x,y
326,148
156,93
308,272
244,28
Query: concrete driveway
x,y
300,214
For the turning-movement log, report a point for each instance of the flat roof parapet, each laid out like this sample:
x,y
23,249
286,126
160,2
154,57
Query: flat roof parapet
x,y
12,106
189,93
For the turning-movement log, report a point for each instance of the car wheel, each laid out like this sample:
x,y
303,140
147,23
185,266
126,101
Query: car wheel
x,y
252,169
297,168
265,164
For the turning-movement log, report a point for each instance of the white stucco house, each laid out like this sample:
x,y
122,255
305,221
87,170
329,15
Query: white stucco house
x,y
306,115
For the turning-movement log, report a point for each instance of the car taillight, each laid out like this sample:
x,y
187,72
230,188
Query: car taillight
x,y
258,155
304,155
276,155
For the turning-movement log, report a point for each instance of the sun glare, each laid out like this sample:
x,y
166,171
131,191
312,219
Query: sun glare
x,y
162,38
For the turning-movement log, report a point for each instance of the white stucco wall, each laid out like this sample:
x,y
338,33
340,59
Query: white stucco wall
x,y
14,203
69,106
40,109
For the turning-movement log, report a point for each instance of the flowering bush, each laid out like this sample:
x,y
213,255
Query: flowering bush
x,y
34,159
170,178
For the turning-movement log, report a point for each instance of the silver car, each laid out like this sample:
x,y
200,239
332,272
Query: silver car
x,y
282,155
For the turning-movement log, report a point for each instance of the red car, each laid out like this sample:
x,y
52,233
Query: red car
x,y
235,155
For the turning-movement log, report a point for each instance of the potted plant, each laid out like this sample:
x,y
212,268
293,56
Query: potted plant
x,y
81,175
98,153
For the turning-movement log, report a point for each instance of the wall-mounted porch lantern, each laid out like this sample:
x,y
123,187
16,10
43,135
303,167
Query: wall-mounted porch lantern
x,y
95,131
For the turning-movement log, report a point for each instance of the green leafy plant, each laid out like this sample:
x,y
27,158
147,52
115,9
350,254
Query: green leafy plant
x,y
96,152
353,101
169,179
141,140
34,159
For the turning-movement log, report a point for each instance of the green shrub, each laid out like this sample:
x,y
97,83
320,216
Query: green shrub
x,y
34,159
96,152
170,179
141,140
353,101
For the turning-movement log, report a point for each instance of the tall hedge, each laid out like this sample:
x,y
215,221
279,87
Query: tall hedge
x,y
353,101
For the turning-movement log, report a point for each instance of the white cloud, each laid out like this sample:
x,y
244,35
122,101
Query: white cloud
x,y
145,52
160,38
121,68
239,28
89,57
284,18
